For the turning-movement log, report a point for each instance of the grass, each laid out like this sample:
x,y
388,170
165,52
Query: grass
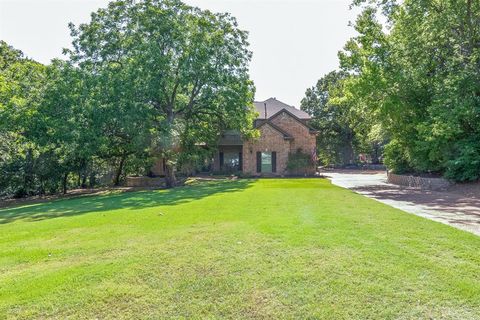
x,y
274,248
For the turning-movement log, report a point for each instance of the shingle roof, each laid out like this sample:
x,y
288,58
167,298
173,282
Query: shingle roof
x,y
274,106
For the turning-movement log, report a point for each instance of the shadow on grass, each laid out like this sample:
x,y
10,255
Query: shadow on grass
x,y
126,200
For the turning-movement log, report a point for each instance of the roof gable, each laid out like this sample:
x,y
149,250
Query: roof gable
x,y
274,106
285,134
293,116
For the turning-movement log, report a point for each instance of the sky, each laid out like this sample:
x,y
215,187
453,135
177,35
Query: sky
x,y
294,42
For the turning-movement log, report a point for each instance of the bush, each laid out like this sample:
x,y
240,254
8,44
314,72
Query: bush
x,y
395,158
299,163
465,167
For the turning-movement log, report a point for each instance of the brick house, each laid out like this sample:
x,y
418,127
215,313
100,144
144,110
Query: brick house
x,y
283,130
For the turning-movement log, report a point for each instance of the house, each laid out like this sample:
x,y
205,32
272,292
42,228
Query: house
x,y
284,130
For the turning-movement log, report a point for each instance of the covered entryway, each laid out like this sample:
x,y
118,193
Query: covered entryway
x,y
230,159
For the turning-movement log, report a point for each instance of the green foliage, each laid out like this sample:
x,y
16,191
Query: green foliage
x,y
298,162
193,160
8,55
395,157
21,91
466,165
186,67
345,130
144,79
418,76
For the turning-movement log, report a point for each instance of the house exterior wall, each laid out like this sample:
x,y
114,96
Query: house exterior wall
x,y
303,138
270,140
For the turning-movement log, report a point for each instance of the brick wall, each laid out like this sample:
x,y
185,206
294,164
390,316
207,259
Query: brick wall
x,y
418,182
144,182
270,140
303,139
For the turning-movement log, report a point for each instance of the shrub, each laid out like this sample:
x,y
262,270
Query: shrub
x,y
299,162
396,158
466,166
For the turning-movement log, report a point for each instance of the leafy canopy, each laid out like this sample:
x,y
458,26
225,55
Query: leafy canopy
x,y
419,76
187,68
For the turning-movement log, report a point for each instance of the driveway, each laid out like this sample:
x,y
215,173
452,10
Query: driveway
x,y
446,207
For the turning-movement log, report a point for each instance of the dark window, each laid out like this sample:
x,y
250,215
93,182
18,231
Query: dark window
x,y
230,161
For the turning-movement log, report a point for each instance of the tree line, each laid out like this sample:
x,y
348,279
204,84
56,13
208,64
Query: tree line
x,y
147,80
143,80
409,83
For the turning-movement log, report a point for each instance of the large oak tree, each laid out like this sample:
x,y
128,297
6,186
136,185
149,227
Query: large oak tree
x,y
185,68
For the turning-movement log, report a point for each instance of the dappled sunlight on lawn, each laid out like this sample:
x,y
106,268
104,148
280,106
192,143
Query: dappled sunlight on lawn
x,y
128,200
282,248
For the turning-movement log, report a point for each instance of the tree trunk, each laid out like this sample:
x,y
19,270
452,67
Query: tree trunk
x,y
29,174
116,179
376,153
170,179
84,180
91,180
348,154
42,187
64,183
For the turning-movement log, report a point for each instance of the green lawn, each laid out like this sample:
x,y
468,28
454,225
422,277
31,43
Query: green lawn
x,y
273,248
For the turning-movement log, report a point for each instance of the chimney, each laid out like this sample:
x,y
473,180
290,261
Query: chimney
x,y
265,104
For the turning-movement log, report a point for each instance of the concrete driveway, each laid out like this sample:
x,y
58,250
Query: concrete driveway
x,y
449,208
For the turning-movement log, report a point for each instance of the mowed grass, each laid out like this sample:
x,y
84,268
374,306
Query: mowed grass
x,y
273,249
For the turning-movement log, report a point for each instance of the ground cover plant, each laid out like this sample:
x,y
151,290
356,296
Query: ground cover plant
x,y
272,248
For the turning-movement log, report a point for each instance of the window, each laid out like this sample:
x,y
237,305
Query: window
x,y
230,161
266,162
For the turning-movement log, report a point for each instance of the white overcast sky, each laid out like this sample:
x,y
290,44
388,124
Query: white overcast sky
x,y
294,42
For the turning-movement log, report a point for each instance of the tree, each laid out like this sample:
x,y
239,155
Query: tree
x,y
419,76
342,126
180,65
21,87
